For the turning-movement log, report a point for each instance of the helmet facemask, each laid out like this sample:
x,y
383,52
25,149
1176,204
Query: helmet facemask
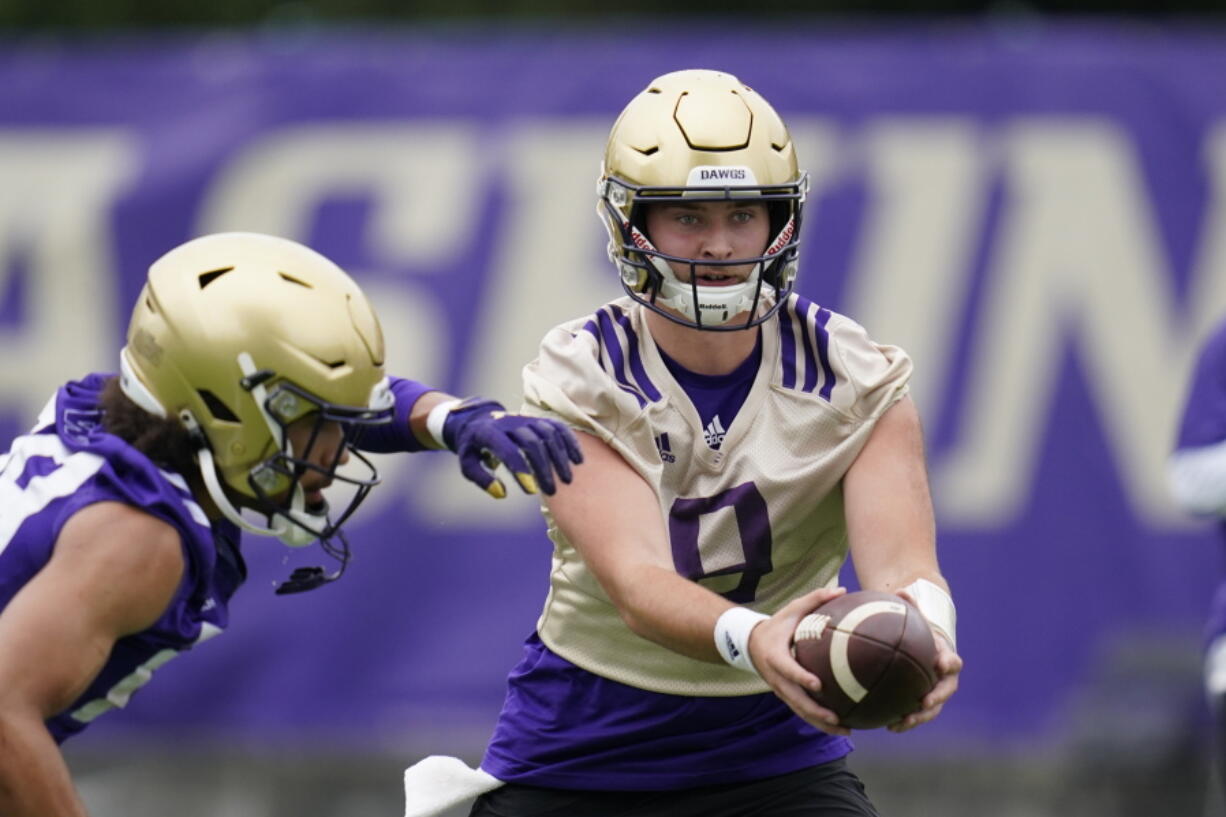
x,y
648,275
276,482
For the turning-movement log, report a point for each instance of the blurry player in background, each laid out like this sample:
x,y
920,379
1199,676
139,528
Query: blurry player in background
x,y
738,441
253,371
1197,477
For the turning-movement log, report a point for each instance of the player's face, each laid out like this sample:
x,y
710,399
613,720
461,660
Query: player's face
x,y
710,231
329,443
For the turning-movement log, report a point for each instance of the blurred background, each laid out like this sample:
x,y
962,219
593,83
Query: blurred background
x,y
1029,197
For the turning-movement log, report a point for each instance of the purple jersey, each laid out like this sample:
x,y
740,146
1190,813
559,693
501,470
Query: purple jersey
x,y
66,462
1204,424
566,728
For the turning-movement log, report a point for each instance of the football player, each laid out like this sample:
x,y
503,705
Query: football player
x,y
253,370
1197,478
739,441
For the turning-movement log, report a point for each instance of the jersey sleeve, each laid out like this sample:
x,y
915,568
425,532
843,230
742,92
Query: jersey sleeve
x,y
874,376
567,382
396,436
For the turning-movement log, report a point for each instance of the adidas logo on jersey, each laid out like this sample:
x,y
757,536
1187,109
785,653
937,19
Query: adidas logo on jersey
x,y
666,452
714,432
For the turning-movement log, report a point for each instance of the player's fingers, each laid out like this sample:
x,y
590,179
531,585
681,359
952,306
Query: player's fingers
x,y
948,661
545,446
788,669
507,449
942,692
571,443
475,471
555,447
533,448
915,719
813,713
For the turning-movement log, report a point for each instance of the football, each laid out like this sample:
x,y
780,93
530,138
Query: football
x,y
875,656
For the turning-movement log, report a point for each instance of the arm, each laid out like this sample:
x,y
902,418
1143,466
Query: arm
x,y
482,434
117,568
892,532
611,516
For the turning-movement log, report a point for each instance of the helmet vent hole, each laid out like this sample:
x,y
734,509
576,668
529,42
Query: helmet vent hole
x,y
207,278
218,409
331,364
648,151
294,280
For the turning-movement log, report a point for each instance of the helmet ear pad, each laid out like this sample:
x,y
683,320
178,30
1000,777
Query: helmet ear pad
x,y
650,278
779,213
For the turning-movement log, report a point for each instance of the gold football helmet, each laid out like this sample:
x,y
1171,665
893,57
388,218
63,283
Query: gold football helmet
x,y
691,136
239,335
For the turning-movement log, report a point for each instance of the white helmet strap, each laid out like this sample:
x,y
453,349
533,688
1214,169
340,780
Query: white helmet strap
x,y
134,389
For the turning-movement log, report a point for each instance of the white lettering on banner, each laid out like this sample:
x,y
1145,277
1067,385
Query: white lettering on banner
x,y
927,183
425,181
1078,261
55,208
1206,296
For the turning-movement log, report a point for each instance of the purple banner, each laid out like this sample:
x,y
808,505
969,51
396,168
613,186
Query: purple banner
x,y
1033,213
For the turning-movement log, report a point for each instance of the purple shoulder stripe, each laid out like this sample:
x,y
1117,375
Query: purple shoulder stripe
x,y
814,341
636,362
602,328
823,352
787,347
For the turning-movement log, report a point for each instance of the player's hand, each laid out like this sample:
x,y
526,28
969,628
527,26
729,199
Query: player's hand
x,y
770,649
484,436
949,664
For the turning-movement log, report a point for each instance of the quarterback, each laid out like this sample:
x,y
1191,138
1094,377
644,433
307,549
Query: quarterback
x,y
253,370
739,442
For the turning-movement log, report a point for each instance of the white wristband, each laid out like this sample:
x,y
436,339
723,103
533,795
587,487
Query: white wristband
x,y
732,631
937,607
437,417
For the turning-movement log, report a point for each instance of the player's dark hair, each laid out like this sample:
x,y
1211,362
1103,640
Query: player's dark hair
x,y
164,441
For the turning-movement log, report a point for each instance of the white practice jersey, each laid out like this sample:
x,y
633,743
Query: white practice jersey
x,y
760,520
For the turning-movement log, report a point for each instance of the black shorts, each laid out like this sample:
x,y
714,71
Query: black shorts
x,y
828,790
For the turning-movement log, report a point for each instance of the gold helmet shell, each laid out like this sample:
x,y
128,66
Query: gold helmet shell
x,y
700,135
225,302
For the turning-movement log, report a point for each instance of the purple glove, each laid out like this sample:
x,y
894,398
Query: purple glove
x,y
483,434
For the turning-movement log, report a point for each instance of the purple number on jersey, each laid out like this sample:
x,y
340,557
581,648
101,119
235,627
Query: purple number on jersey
x,y
751,520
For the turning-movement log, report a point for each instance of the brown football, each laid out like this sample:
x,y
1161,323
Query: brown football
x,y
875,656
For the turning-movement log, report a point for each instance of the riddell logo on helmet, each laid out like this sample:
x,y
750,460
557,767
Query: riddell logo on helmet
x,y
711,174
785,235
